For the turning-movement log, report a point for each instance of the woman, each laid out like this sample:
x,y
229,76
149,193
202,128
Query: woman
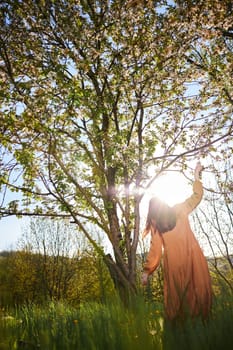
x,y
187,284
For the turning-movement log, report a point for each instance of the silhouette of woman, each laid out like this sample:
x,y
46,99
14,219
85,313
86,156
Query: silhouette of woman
x,y
187,284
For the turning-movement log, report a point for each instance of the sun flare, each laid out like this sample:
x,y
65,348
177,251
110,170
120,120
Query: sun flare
x,y
171,187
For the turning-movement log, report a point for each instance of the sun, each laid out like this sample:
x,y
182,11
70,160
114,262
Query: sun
x,y
170,187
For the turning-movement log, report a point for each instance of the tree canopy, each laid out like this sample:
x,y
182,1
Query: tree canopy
x,y
95,93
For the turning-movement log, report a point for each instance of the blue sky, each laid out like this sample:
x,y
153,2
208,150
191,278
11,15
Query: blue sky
x,y
10,231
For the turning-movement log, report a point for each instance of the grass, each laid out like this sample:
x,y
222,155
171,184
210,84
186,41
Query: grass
x,y
111,326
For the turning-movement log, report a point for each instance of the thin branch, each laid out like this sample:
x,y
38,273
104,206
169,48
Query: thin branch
x,y
192,151
6,213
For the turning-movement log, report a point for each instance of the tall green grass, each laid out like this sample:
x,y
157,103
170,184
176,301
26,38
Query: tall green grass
x,y
114,326
91,326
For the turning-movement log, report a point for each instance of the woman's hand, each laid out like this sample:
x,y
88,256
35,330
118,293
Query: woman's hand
x,y
144,278
198,170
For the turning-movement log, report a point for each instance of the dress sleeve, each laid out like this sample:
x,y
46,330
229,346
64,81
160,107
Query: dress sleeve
x,y
193,201
154,255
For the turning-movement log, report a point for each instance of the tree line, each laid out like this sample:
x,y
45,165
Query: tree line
x,y
40,269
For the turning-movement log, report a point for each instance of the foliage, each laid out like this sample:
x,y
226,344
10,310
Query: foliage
x,y
89,105
22,280
5,279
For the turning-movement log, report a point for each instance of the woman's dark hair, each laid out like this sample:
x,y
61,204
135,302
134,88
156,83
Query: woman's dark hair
x,y
161,216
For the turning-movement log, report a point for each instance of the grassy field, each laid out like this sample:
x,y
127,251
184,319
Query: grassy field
x,y
112,326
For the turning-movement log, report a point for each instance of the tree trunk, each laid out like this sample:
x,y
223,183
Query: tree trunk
x,y
124,285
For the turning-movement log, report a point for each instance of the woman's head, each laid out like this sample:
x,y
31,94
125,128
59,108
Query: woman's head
x,y
160,216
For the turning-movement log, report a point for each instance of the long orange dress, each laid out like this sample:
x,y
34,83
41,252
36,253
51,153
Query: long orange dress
x,y
187,283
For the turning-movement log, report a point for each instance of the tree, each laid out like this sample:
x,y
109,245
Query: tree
x,y
5,296
23,285
56,248
91,281
90,104
214,221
